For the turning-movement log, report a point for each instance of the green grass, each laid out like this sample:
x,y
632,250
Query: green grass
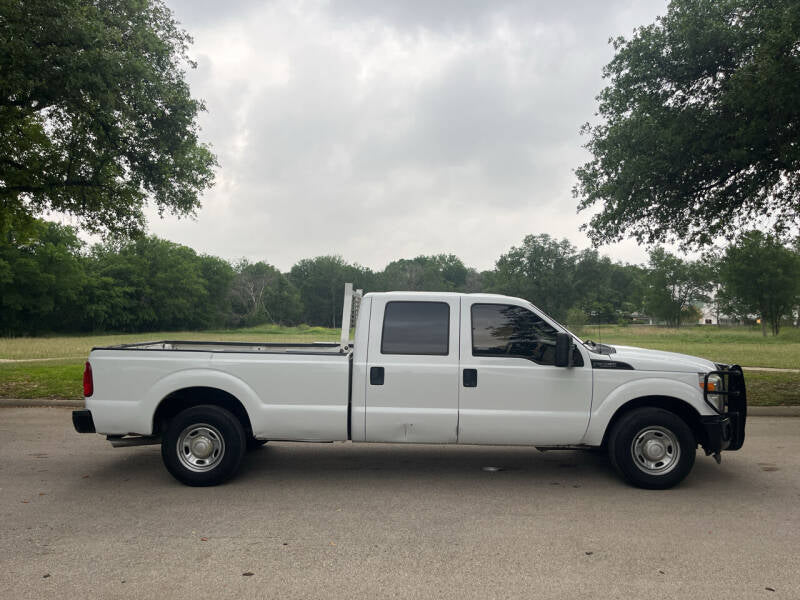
x,y
52,367
78,346
733,345
56,379
772,389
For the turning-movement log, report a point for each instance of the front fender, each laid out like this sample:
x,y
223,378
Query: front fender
x,y
607,402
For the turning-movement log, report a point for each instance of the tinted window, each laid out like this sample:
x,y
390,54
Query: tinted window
x,y
505,330
416,328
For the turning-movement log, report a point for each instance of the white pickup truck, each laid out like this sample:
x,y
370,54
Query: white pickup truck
x,y
429,368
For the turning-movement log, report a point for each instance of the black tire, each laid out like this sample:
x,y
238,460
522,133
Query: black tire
x,y
652,448
254,444
213,444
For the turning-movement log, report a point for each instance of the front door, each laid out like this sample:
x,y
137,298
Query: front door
x,y
510,390
412,370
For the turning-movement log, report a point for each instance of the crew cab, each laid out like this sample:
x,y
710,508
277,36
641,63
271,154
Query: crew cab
x,y
423,367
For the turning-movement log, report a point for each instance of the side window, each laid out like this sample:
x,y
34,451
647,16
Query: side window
x,y
416,328
506,330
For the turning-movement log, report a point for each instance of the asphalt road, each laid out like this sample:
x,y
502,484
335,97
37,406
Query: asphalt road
x,y
81,519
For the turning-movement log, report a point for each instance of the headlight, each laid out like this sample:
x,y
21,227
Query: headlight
x,y
714,384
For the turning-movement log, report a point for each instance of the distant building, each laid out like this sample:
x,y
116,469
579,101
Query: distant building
x,y
638,318
710,315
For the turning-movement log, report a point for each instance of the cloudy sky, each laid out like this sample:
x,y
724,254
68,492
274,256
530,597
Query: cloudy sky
x,y
385,129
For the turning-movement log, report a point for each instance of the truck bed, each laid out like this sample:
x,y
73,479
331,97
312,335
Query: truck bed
x,y
289,391
233,347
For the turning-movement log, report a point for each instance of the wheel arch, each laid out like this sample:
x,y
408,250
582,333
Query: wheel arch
x,y
188,397
681,408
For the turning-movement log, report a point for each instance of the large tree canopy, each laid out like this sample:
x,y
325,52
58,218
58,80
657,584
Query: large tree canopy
x,y
96,118
700,125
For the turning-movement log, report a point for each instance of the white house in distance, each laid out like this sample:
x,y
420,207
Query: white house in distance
x,y
709,315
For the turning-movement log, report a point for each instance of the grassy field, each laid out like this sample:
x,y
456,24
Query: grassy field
x,y
732,345
27,348
52,367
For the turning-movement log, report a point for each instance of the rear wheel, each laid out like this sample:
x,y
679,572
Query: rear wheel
x,y
203,445
652,448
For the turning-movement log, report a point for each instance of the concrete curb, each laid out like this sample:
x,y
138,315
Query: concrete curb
x,y
753,411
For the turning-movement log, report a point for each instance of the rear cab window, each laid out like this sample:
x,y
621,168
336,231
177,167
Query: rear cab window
x,y
420,328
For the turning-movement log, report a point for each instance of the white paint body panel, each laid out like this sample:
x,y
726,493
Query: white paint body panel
x,y
613,389
294,394
643,359
281,396
418,401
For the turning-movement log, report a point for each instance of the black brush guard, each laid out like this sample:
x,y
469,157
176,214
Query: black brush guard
x,y
725,430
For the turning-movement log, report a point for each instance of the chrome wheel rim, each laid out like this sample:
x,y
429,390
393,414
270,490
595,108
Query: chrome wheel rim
x,y
200,447
655,450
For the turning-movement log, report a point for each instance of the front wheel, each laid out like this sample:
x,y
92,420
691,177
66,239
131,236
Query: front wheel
x,y
203,445
652,448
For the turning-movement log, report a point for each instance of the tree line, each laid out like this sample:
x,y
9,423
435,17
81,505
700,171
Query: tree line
x,y
97,121
50,281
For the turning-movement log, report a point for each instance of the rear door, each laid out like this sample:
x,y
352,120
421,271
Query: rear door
x,y
412,369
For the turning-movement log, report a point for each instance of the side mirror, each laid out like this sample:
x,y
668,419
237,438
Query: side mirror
x,y
564,347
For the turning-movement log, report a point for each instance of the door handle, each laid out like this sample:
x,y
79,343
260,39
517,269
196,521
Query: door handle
x,y
470,377
376,376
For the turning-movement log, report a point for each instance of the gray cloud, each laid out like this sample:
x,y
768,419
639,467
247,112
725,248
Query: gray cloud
x,y
381,129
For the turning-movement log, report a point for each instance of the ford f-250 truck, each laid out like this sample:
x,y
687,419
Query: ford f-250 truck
x,y
430,368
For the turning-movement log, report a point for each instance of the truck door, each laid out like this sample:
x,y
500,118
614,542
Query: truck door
x,y
510,390
412,369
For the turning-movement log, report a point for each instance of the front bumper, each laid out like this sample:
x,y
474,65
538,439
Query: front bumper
x,y
720,432
82,421
725,431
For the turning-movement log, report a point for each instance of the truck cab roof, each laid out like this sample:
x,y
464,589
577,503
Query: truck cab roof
x,y
434,295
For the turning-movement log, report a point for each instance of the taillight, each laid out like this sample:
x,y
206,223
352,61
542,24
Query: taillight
x,y
88,382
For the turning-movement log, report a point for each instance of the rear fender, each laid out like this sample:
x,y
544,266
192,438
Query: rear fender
x,y
137,417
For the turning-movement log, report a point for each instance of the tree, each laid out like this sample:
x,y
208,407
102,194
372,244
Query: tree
x,y
700,127
674,285
96,118
761,276
437,273
605,290
41,279
541,270
261,294
320,282
218,276
149,284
